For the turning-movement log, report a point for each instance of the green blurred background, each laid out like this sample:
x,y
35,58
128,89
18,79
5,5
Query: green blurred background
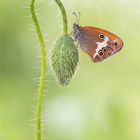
x,y
102,100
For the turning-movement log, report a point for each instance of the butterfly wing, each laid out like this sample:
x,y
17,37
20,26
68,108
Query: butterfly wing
x,y
96,47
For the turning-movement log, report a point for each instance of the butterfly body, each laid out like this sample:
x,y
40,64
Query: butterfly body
x,y
99,44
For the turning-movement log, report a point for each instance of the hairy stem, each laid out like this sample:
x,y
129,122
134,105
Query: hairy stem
x,y
63,12
43,70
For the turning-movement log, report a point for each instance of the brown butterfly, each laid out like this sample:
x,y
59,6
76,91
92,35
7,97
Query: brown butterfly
x,y
99,44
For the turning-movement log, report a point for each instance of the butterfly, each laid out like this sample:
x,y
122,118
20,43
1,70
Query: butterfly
x,y
98,43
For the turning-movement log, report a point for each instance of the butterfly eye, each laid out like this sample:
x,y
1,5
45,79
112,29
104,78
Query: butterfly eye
x,y
101,36
100,53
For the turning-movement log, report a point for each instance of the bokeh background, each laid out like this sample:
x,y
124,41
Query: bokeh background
x,y
102,102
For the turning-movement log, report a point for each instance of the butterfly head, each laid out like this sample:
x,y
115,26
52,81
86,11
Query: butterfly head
x,y
76,33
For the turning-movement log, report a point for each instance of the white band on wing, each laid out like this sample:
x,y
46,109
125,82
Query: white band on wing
x,y
101,45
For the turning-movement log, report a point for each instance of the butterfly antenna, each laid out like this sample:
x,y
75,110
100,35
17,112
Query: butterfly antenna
x,y
79,16
77,20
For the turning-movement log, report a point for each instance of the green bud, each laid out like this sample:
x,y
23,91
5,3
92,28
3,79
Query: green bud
x,y
64,59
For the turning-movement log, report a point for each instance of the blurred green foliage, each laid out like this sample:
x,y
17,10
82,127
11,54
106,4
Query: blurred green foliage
x,y
102,100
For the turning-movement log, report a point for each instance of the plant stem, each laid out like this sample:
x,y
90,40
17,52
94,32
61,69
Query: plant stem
x,y
43,70
63,12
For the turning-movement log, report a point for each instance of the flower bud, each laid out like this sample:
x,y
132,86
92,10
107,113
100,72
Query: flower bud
x,y
64,59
